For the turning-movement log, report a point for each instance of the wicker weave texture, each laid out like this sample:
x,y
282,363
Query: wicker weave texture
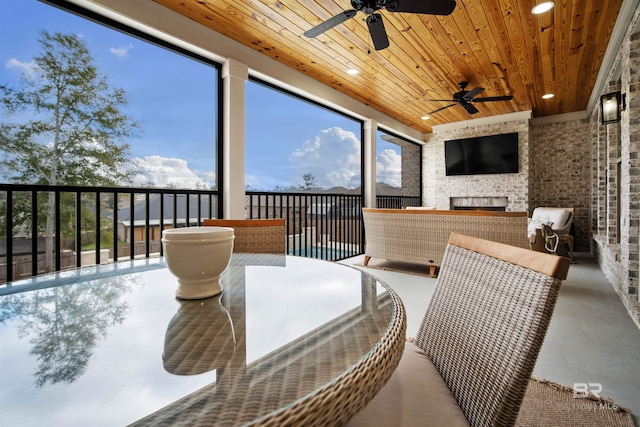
x,y
483,330
255,235
336,403
283,390
423,237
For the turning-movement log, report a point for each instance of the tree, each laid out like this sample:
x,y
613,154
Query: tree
x,y
75,126
309,182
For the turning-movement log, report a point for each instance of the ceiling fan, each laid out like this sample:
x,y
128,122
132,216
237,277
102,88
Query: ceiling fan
x,y
374,20
466,97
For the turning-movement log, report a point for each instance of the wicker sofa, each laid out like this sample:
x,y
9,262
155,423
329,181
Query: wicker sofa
x,y
420,236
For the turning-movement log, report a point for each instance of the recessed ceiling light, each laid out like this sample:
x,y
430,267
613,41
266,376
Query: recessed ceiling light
x,y
425,117
548,96
542,7
352,71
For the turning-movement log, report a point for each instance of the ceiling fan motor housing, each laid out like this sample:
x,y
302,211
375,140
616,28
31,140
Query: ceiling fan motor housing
x,y
368,6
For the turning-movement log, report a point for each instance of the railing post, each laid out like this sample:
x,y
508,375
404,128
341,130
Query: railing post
x,y
9,227
34,234
98,236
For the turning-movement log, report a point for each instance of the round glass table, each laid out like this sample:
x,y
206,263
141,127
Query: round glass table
x,y
291,341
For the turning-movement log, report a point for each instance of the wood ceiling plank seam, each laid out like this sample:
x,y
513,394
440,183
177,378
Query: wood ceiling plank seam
x,y
564,58
313,61
550,66
513,60
482,27
246,37
468,47
582,57
484,73
415,53
476,50
410,77
593,58
284,26
391,70
454,62
188,9
523,50
437,54
354,25
573,50
321,14
451,57
511,80
542,71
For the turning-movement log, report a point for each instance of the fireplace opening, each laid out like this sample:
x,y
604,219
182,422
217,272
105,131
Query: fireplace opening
x,y
470,203
479,208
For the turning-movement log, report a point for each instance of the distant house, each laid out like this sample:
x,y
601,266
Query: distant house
x,y
207,208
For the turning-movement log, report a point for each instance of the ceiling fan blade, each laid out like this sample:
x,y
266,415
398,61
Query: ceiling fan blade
x,y
440,109
471,109
377,31
429,7
472,93
493,98
330,23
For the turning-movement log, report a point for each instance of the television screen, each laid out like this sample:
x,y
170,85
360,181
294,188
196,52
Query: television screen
x,y
482,155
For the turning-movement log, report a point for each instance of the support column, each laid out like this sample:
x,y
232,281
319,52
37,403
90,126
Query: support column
x,y
369,160
234,79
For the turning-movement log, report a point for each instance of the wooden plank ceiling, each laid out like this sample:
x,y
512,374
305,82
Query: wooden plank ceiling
x,y
496,44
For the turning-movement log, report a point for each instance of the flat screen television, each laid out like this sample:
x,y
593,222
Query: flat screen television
x,y
482,155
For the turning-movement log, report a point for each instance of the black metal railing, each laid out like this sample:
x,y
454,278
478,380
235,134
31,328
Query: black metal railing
x,y
53,228
319,225
397,202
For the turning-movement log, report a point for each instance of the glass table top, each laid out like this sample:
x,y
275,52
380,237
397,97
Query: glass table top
x,y
111,345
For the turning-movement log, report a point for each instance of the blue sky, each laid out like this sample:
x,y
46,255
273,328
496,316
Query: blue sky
x,y
173,100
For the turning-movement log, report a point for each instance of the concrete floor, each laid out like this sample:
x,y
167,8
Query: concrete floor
x,y
591,338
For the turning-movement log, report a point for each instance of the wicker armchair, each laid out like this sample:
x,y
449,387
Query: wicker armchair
x,y
478,342
255,235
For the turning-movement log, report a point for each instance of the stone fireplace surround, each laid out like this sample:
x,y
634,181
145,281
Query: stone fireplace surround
x,y
479,203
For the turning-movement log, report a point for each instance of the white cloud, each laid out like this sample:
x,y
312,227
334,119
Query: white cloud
x,y
165,172
332,157
121,51
389,168
29,68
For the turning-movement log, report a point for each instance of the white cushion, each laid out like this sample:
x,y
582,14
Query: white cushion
x,y
536,223
556,218
421,208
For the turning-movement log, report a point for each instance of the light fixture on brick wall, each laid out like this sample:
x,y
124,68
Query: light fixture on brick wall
x,y
611,106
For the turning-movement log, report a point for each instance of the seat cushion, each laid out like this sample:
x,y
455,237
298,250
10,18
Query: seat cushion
x,y
556,218
415,395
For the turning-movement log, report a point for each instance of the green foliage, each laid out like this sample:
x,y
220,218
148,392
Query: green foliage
x,y
73,134
75,127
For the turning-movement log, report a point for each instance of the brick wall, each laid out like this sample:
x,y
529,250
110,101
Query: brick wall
x,y
439,188
560,172
555,169
616,177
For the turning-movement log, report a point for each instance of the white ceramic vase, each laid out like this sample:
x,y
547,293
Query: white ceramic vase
x,y
197,256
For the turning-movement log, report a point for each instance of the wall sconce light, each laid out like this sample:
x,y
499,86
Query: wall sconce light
x,y
611,105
